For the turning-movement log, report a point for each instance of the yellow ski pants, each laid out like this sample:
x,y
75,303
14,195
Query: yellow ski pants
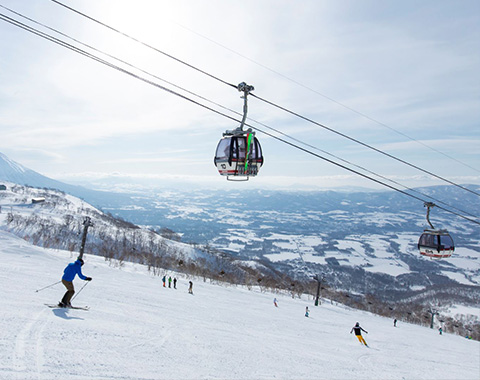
x,y
360,338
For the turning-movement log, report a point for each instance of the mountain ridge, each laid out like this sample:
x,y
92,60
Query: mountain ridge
x,y
11,171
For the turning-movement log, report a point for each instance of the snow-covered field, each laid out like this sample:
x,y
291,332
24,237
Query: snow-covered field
x,y
136,329
353,251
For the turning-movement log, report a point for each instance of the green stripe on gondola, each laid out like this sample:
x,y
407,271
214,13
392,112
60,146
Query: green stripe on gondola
x,y
249,142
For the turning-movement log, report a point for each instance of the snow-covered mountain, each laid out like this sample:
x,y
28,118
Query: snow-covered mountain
x,y
14,172
11,171
136,329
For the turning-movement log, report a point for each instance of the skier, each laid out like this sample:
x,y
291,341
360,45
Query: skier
x,y
307,312
395,322
169,281
358,333
275,302
190,287
163,280
440,331
175,283
69,274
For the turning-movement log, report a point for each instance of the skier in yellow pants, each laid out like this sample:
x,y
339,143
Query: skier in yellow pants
x,y
358,333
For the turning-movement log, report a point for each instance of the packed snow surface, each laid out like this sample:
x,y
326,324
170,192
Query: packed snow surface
x,y
137,329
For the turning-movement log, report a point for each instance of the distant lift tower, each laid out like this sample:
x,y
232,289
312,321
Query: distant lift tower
x,y
87,222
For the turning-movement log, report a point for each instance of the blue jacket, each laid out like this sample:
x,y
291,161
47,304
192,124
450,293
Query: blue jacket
x,y
73,269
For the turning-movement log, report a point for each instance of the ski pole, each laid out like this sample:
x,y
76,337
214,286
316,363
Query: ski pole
x,y
49,286
77,293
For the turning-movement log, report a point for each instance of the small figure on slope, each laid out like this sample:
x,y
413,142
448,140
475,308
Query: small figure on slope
x,y
164,278
190,287
307,312
174,283
69,274
169,281
395,322
358,333
275,302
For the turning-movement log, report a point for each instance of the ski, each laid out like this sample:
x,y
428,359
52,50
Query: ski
x,y
86,308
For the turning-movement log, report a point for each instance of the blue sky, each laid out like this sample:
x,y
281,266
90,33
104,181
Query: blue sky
x,y
373,70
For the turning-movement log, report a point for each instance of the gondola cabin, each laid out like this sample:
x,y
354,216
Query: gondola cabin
x,y
238,156
437,244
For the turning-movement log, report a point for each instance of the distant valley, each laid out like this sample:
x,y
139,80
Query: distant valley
x,y
363,242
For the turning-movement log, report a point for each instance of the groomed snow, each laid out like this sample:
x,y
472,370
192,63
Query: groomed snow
x,y
136,329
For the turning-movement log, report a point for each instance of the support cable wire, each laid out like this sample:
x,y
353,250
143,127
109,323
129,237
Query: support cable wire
x,y
100,60
292,80
364,144
233,111
325,96
362,168
219,105
116,58
111,65
357,172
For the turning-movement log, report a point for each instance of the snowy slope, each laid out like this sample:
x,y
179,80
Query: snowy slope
x,y
136,329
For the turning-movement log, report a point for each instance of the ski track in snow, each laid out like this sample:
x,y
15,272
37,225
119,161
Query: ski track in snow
x,y
364,360
28,352
138,330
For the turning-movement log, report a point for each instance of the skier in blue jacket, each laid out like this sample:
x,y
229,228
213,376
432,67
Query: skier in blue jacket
x,y
69,274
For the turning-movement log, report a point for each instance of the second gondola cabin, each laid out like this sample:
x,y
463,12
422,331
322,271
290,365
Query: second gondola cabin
x,y
238,155
433,243
437,244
